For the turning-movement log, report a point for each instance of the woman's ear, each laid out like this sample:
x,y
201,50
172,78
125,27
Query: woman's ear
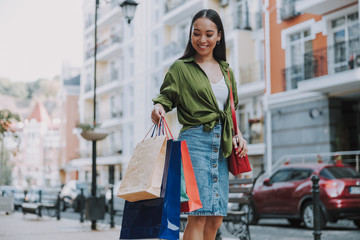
x,y
219,36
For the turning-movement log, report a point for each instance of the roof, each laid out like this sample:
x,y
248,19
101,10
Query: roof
x,y
40,114
75,81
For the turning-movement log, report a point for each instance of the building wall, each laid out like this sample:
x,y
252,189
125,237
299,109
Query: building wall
x,y
294,131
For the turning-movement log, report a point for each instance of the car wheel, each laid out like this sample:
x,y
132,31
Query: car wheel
x,y
308,216
294,222
248,208
357,222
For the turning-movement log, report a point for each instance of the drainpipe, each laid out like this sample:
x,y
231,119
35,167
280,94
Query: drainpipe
x,y
268,166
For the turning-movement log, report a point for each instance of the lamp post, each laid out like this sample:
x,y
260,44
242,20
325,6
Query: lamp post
x,y
128,7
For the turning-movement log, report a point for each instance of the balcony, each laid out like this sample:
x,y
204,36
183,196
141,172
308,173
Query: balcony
x,y
106,48
251,80
288,10
321,7
178,10
171,50
330,62
251,73
170,5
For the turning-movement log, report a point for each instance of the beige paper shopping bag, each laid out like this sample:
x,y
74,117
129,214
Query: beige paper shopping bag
x,y
143,176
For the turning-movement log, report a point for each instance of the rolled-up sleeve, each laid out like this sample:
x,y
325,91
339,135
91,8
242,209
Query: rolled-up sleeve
x,y
169,92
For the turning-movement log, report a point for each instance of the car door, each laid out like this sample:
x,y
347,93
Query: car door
x,y
272,200
296,188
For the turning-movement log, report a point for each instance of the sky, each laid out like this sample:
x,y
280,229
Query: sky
x,y
37,36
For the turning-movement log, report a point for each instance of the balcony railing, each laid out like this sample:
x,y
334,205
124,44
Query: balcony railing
x,y
251,73
172,49
288,10
342,56
173,4
104,44
248,20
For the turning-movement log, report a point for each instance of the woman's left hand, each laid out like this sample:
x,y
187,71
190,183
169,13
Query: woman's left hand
x,y
240,145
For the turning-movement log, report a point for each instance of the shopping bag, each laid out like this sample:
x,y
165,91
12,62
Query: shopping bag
x,y
183,196
143,176
159,217
236,164
192,191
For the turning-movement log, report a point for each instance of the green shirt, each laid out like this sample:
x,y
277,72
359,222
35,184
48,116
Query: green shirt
x,y
187,87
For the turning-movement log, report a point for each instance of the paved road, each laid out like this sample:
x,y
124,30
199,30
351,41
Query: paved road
x,y
270,229
29,227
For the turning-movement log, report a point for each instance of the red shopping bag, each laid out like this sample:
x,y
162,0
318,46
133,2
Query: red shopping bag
x,y
192,191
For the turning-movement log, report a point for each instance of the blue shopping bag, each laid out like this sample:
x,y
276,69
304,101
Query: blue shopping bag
x,y
159,217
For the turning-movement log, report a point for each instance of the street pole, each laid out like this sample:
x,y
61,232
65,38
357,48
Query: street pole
x,y
316,207
93,185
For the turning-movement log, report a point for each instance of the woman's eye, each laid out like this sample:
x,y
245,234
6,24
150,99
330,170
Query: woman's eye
x,y
209,36
196,34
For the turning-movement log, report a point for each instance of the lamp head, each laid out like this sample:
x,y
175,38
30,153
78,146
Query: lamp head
x,y
129,7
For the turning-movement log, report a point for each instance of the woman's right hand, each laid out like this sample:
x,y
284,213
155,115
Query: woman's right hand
x,y
157,113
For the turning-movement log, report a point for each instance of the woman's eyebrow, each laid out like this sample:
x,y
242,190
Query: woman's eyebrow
x,y
206,30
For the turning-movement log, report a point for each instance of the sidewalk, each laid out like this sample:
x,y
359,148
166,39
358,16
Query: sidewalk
x,y
30,227
17,226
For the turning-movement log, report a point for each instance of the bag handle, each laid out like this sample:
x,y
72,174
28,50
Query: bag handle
x,y
158,129
232,105
167,127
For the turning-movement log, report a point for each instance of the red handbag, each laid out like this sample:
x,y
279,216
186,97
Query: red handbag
x,y
236,164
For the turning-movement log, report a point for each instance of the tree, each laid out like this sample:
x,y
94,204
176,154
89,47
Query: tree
x,y
7,129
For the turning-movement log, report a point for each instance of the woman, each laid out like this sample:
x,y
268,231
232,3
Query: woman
x,y
198,85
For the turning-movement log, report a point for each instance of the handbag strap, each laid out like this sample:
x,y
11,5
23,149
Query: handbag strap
x,y
232,105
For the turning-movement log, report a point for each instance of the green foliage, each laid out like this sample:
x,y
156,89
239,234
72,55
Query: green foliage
x,y
30,89
86,126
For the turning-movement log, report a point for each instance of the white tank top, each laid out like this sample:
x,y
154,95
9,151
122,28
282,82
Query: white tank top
x,y
221,93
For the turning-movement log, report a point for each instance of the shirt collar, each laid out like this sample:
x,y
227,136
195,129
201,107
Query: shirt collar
x,y
222,63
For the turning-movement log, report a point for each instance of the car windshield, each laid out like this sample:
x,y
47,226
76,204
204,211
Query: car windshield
x,y
339,172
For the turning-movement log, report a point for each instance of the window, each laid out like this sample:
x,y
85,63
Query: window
x,y
339,173
300,174
182,36
345,34
299,55
114,75
156,50
243,121
155,84
131,61
116,106
281,176
241,15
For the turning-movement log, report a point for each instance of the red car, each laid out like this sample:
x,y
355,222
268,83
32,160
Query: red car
x,y
287,194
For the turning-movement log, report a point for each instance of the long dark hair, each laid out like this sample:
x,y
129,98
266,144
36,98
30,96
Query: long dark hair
x,y
220,49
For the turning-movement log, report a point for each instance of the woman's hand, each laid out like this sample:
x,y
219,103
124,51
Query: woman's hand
x,y
240,145
157,113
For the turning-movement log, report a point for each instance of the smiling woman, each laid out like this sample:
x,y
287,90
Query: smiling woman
x,y
197,84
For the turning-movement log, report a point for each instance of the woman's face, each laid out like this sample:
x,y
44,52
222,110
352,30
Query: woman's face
x,y
204,36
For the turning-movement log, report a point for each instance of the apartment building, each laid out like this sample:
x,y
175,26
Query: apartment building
x,y
132,60
37,162
312,98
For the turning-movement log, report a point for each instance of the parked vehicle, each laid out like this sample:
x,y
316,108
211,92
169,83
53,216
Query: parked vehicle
x,y
71,194
19,194
287,194
118,202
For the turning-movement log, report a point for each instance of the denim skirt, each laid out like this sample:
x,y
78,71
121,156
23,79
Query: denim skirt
x,y
210,168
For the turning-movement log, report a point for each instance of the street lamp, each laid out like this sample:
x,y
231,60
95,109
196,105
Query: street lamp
x,y
129,7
